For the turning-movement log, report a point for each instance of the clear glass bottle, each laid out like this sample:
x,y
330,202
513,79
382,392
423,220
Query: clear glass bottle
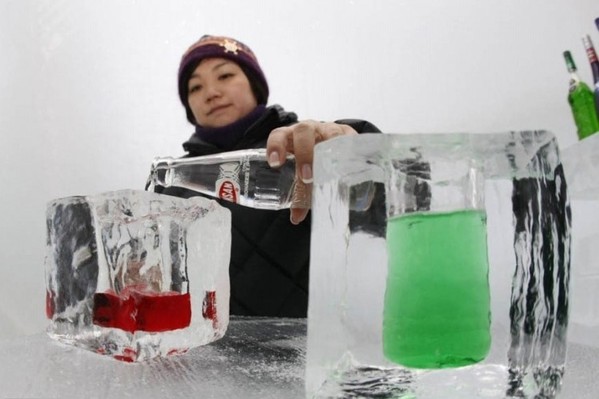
x,y
243,177
582,103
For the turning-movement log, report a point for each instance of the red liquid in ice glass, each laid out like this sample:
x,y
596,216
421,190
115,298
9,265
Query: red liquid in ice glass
x,y
136,309
49,304
209,308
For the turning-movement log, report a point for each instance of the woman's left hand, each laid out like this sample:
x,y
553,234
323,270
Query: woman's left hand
x,y
300,139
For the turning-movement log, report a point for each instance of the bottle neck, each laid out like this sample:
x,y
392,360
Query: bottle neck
x,y
594,64
574,80
592,56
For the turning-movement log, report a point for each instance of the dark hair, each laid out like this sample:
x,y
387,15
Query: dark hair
x,y
260,92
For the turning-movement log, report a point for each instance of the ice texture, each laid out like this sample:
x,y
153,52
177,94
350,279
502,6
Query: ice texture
x,y
528,236
581,166
135,275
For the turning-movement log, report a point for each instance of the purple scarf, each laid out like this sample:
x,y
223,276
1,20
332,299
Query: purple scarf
x,y
225,137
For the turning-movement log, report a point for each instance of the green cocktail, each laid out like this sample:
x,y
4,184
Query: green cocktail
x,y
437,301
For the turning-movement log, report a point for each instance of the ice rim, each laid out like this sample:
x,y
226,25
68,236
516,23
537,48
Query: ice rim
x,y
529,158
74,325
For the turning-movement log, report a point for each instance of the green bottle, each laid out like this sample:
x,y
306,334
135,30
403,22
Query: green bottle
x,y
581,102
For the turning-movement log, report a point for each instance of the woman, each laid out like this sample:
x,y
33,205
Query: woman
x,y
225,94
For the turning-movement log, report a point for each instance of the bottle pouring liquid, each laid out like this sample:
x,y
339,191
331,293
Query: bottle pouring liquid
x,y
243,177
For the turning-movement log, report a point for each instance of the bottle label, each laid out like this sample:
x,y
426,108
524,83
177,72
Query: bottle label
x,y
573,85
591,54
227,184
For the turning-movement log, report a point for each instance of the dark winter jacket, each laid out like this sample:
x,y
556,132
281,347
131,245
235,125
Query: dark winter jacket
x,y
270,257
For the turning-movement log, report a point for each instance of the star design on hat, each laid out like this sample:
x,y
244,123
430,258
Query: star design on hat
x,y
230,46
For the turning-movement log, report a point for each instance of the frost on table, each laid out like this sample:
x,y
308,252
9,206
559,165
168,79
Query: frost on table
x,y
581,165
528,239
135,275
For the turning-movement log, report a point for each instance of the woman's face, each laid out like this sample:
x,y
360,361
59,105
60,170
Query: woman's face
x,y
219,93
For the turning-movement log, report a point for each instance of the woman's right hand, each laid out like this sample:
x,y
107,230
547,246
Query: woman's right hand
x,y
299,139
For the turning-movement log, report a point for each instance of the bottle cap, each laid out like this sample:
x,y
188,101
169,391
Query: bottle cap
x,y
569,61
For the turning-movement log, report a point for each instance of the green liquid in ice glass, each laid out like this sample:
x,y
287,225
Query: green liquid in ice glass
x,y
437,301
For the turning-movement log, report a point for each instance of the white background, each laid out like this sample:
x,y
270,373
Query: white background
x,y
88,93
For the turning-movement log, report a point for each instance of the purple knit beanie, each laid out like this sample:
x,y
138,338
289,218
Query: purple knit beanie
x,y
221,47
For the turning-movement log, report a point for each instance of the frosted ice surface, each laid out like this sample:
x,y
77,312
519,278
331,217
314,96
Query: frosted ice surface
x,y
581,166
257,359
135,275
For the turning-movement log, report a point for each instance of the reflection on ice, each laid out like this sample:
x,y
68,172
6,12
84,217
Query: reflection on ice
x,y
352,380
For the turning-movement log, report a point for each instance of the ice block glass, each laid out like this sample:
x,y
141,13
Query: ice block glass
x,y
136,275
452,280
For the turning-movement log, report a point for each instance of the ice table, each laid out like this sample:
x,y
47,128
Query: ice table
x,y
257,358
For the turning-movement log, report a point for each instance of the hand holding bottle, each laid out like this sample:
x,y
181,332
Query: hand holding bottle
x,y
278,177
300,139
